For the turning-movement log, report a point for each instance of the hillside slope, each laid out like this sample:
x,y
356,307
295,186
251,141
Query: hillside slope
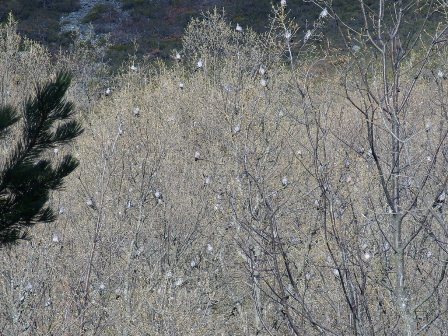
x,y
155,26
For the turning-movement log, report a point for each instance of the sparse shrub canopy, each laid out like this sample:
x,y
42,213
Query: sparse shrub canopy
x,y
281,183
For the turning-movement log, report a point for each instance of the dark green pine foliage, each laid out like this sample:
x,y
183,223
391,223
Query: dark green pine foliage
x,y
26,177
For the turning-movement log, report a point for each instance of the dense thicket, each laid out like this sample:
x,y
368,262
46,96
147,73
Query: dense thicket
x,y
257,186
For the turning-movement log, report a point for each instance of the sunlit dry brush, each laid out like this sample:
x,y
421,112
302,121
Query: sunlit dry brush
x,y
237,192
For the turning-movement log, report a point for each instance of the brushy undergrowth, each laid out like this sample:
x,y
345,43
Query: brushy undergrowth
x,y
233,192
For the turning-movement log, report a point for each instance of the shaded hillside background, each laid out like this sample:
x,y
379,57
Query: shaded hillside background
x,y
155,26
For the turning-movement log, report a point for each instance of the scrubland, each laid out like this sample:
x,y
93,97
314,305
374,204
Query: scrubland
x,y
275,190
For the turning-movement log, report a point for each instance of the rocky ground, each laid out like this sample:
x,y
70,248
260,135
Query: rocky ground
x,y
76,21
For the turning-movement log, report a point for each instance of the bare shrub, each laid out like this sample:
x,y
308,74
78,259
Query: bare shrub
x,y
245,196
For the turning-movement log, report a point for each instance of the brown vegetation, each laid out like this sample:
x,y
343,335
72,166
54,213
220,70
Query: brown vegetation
x,y
245,196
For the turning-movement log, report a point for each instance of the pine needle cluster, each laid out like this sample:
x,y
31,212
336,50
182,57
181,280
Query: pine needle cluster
x,y
27,177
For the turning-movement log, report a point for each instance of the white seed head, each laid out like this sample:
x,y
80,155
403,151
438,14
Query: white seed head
x,y
236,129
288,35
179,282
199,64
178,58
207,180
61,210
102,286
284,181
356,48
209,248
307,36
440,74
136,111
238,28
158,194
323,14
55,151
336,272
181,85
283,3
367,256
261,70
193,263
55,238
263,82
308,276
89,202
197,155
108,91
133,67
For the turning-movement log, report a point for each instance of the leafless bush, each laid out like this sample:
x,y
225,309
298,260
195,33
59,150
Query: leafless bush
x,y
244,196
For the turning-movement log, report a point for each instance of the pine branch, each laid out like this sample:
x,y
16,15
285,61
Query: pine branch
x,y
26,179
8,117
66,132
